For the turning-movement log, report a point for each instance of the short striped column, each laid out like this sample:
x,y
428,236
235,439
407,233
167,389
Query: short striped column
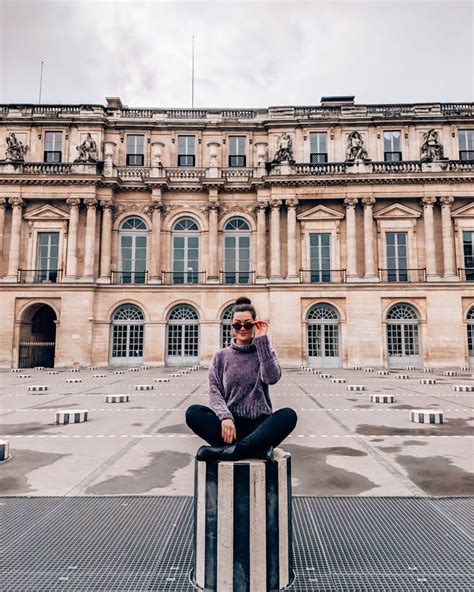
x,y
76,416
119,372
356,368
427,370
464,388
427,380
144,387
162,379
38,387
402,376
117,398
426,416
338,380
325,375
450,373
243,525
73,380
356,387
368,369
383,373
23,376
134,369
52,372
4,450
382,398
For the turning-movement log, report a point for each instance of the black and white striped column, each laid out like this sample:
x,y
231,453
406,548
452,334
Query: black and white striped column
x,y
243,525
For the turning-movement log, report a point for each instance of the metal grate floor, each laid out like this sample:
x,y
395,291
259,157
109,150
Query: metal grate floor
x,y
126,544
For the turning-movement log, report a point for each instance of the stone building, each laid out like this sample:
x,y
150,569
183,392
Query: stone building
x,y
128,233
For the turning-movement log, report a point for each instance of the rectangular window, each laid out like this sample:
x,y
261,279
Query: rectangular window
x,y
466,144
47,257
468,252
318,147
237,156
186,151
397,258
135,150
392,151
53,146
320,257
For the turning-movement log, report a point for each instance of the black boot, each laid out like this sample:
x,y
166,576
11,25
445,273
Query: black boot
x,y
214,453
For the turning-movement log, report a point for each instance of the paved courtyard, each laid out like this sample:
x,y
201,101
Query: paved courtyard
x,y
343,444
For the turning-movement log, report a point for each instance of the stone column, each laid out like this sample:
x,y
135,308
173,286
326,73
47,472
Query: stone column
x,y
350,205
428,203
88,275
3,205
71,258
213,210
154,255
369,260
275,251
449,258
291,239
106,241
261,242
14,258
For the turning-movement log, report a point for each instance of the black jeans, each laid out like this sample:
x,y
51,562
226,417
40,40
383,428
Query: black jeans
x,y
253,434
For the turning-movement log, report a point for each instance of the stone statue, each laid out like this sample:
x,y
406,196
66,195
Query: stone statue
x,y
431,149
355,148
87,150
285,150
15,149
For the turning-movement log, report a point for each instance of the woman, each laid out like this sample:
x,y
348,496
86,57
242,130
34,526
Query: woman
x,y
239,422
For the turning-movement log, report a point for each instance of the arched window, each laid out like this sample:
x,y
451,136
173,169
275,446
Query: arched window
x,y
226,329
470,335
237,254
182,337
403,345
127,335
133,252
323,336
185,240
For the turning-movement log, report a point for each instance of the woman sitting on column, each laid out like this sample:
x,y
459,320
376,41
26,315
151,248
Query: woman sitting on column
x,y
240,422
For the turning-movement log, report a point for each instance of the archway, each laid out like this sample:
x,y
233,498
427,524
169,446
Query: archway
x,y
37,337
322,336
403,336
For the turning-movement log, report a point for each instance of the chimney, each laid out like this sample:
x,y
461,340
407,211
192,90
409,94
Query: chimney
x,y
113,103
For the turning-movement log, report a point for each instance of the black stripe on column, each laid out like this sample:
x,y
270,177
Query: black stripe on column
x,y
241,568
210,560
273,544
195,517
290,519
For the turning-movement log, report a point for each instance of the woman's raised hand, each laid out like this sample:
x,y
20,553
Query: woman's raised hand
x,y
228,431
261,328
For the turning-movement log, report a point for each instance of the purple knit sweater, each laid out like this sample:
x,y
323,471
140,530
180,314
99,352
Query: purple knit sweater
x,y
239,376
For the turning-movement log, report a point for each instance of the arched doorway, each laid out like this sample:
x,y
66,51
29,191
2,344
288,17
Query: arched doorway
x,y
403,340
127,334
470,336
226,328
182,335
322,334
37,337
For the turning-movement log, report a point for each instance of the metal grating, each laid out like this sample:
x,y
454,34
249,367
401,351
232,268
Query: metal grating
x,y
124,544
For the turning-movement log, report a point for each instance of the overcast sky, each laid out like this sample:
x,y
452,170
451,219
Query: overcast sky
x,y
247,54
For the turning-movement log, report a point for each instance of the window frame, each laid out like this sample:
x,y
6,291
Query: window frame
x,y
58,153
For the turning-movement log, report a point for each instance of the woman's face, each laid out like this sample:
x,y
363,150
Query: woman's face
x,y
242,335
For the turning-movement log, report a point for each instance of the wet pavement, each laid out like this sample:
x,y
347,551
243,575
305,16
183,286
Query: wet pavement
x,y
343,445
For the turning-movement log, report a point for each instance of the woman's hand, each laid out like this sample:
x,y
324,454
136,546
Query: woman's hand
x,y
261,328
228,431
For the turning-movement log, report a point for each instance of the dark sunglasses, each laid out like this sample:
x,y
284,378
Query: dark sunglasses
x,y
238,326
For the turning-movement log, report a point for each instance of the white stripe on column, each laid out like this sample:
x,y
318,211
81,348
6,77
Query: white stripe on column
x,y
201,524
257,543
283,520
225,526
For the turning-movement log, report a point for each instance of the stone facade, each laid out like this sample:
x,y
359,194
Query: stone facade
x,y
357,255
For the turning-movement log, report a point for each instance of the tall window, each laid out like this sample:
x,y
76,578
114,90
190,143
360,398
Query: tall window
x,y
466,144
135,150
182,334
47,257
53,146
397,257
186,151
318,147
236,252
320,257
237,156
185,252
468,250
133,251
226,329
402,334
323,336
391,146
127,335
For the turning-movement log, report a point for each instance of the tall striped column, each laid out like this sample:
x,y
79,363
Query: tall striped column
x,y
243,525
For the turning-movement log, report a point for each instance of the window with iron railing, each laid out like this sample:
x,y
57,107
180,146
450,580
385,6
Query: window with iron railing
x,y
135,150
468,253
318,147
186,151
391,146
466,144
53,147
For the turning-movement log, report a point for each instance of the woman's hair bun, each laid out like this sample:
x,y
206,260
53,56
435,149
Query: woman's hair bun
x,y
243,300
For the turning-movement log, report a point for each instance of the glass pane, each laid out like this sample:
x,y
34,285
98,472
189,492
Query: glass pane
x,y
318,142
178,241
